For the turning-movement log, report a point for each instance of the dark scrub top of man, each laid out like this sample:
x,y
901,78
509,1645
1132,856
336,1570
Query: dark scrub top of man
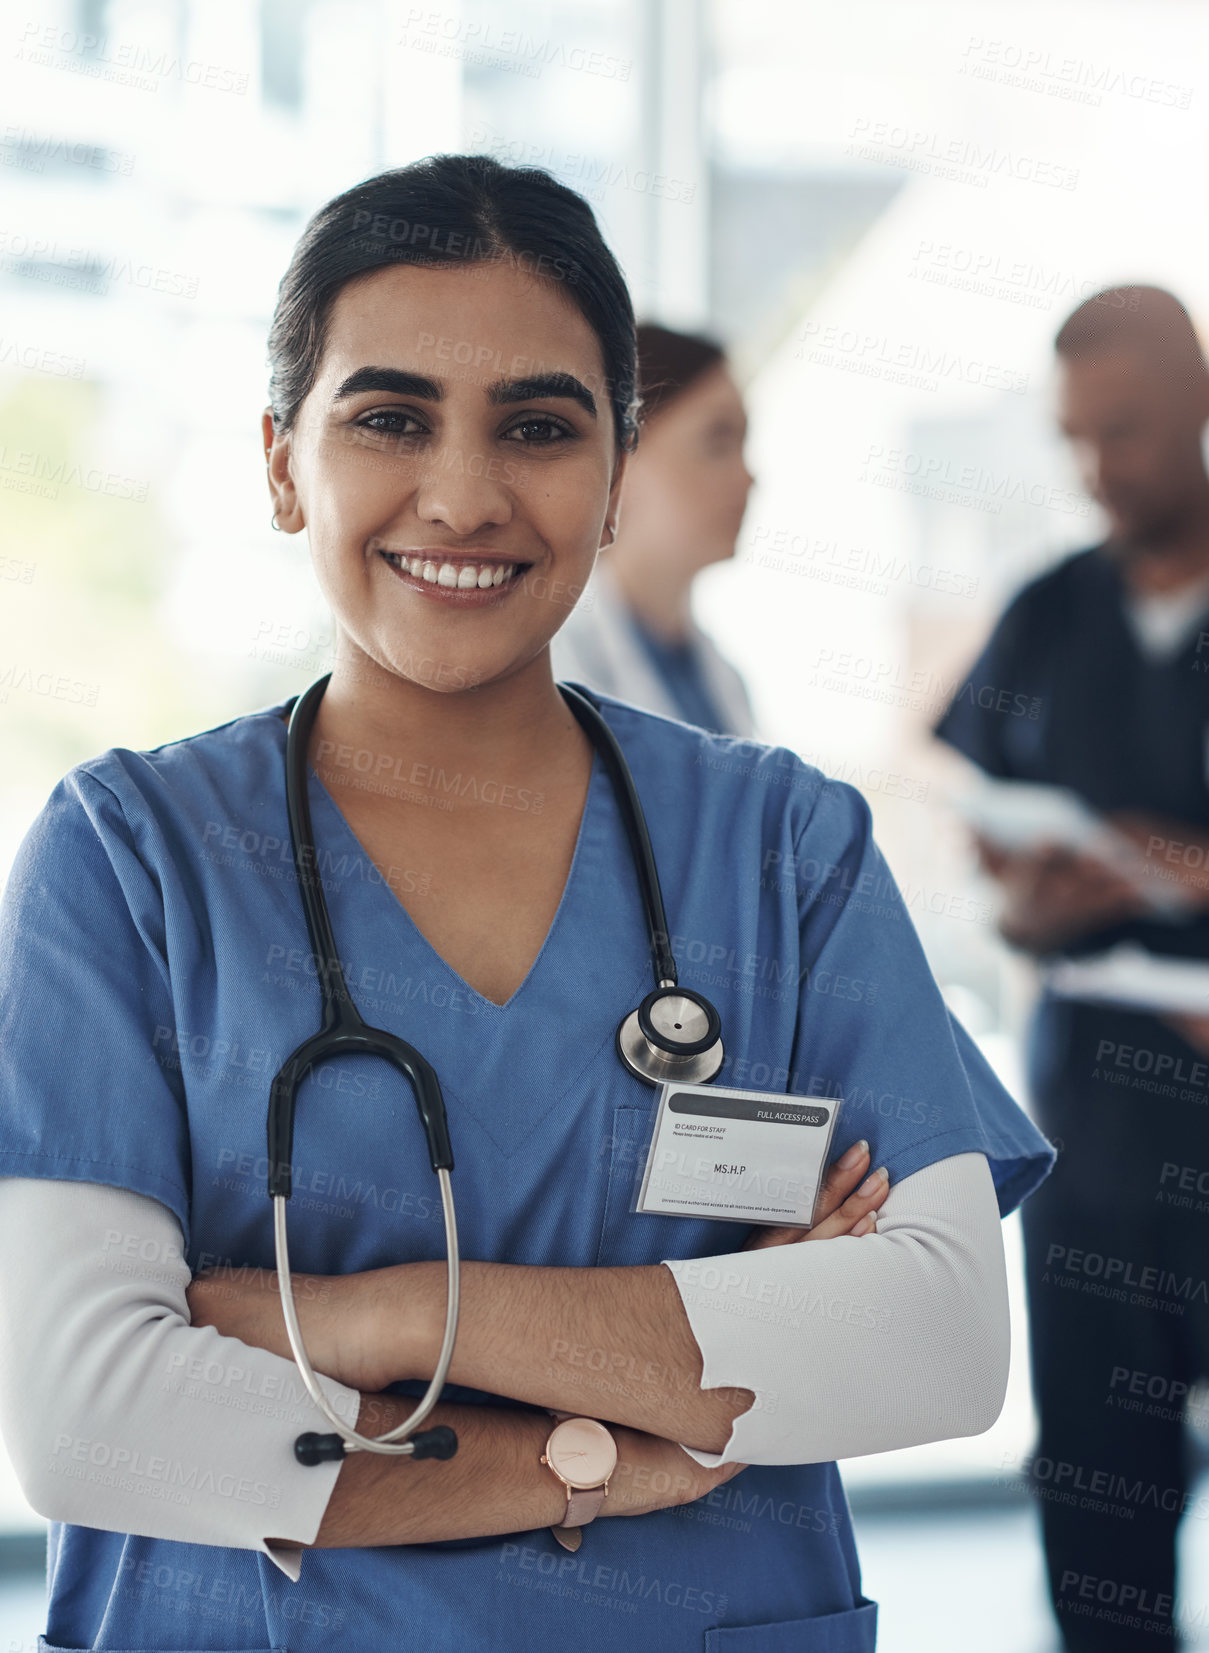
x,y
1064,694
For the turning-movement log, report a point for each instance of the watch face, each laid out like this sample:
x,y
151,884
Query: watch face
x,y
582,1451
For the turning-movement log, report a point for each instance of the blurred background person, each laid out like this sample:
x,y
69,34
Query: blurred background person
x,y
1112,641
633,634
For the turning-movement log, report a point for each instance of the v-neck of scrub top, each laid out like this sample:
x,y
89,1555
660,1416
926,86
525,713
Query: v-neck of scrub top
x,y
331,808
527,1034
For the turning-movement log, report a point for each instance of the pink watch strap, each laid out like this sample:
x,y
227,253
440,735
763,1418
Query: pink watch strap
x,y
583,1505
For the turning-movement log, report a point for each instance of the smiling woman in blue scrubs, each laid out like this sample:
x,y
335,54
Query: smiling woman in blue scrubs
x,y
452,405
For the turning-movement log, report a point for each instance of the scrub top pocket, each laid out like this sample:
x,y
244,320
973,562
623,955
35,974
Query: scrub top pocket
x,y
633,1238
851,1632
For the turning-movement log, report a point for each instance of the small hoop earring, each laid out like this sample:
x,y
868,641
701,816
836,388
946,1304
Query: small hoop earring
x,y
273,520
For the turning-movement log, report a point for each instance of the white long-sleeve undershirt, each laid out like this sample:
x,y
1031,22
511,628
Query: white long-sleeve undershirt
x,y
112,1405
862,1345
116,1412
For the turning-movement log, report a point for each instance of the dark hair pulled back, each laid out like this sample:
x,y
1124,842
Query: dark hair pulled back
x,y
451,210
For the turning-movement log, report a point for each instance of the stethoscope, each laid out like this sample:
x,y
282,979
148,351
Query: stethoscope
x,y
674,1034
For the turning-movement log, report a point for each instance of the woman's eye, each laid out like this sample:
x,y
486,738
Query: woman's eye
x,y
540,429
391,422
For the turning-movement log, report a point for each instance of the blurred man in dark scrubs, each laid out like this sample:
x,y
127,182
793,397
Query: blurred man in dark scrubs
x,y
633,634
1115,641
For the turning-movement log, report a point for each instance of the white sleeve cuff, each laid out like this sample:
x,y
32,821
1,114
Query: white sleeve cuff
x,y
853,1346
118,1413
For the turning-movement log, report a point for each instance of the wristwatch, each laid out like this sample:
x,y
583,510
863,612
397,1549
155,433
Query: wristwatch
x,y
583,1454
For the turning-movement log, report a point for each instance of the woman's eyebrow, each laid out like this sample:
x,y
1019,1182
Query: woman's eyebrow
x,y
499,392
388,378
542,384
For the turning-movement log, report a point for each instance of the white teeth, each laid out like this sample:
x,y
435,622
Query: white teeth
x,y
466,577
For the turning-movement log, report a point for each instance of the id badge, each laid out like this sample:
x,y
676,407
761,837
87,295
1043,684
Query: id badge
x,y
737,1156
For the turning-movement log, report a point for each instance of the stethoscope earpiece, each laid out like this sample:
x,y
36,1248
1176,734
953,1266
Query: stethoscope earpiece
x,y
674,1035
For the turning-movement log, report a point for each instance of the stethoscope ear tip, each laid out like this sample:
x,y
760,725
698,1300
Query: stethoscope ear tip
x,y
311,1449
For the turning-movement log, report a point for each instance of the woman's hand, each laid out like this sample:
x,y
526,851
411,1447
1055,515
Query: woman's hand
x,y
848,1204
343,1319
654,1474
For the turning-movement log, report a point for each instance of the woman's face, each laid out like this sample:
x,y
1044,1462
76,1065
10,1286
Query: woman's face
x,y
454,465
687,486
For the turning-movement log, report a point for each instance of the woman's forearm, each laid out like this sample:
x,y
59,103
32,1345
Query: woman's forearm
x,y
494,1483
614,1343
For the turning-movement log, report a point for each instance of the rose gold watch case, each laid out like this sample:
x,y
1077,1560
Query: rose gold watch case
x,y
582,1453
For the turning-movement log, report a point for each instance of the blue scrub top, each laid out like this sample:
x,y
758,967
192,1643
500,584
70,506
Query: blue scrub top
x,y
154,971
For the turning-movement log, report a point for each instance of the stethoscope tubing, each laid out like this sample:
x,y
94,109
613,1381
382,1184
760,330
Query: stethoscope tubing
x,y
647,1053
353,1440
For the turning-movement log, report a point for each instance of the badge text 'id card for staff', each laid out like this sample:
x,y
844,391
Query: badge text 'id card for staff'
x,y
736,1155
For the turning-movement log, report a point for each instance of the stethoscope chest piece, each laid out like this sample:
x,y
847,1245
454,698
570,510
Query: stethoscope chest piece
x,y
673,1036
